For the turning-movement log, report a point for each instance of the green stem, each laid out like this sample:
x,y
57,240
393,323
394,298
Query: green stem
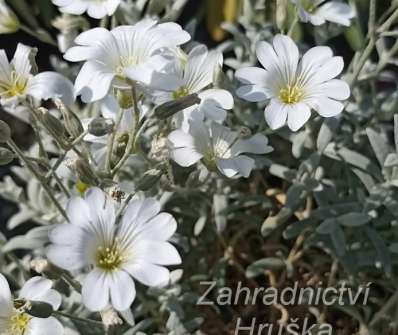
x,y
40,178
132,139
111,141
293,25
71,282
46,38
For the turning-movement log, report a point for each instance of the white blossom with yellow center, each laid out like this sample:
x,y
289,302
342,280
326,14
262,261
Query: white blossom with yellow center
x,y
194,73
219,148
15,320
294,86
137,247
17,80
124,54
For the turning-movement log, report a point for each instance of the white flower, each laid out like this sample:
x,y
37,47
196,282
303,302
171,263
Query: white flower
x,y
94,8
294,86
15,321
9,22
217,147
17,80
126,52
318,12
136,247
193,73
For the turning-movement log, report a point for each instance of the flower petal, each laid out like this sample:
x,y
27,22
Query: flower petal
x,y
336,12
328,70
275,114
149,274
93,81
328,107
267,56
122,290
66,257
161,227
298,115
95,290
156,252
35,287
257,144
336,89
252,75
39,326
182,148
51,85
6,304
287,54
78,212
253,93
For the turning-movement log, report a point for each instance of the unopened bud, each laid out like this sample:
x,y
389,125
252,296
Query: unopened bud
x,y
149,179
40,309
72,122
6,156
5,132
281,13
244,132
170,108
9,22
124,98
54,126
100,126
85,172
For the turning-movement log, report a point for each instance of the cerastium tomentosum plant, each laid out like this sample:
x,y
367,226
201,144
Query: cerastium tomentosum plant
x,y
159,163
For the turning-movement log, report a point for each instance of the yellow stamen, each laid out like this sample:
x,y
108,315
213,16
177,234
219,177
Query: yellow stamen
x,y
110,258
290,94
180,93
18,323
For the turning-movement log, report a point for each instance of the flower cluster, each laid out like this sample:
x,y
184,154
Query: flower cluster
x,y
145,139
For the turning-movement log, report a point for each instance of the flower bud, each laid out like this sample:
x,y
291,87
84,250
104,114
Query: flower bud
x,y
170,108
6,156
281,13
85,172
5,132
244,132
9,22
40,309
72,122
55,126
124,98
100,126
149,179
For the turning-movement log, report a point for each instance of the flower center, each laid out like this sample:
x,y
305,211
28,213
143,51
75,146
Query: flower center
x,y
180,93
110,258
124,62
221,149
15,87
290,94
18,323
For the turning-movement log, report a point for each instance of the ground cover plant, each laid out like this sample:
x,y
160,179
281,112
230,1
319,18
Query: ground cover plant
x,y
198,167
